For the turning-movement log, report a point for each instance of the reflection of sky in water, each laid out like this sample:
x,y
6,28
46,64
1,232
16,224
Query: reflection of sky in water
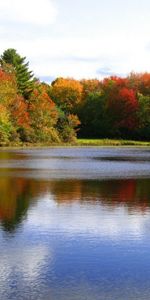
x,y
74,240
89,220
73,251
79,163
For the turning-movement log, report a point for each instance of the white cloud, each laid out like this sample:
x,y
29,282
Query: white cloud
x,y
99,221
38,12
27,260
72,45
63,56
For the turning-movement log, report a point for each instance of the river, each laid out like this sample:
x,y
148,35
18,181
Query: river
x,y
75,223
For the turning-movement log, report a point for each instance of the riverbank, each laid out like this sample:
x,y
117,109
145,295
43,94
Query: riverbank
x,y
80,143
110,142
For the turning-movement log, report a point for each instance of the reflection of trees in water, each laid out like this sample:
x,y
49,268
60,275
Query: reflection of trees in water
x,y
135,194
18,194
15,197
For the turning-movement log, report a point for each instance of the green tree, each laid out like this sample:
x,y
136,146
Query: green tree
x,y
5,126
67,126
93,117
144,117
23,75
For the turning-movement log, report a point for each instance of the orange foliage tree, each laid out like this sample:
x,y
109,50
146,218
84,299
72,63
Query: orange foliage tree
x,y
67,93
43,115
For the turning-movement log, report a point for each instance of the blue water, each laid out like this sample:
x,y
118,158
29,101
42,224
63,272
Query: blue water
x,y
75,224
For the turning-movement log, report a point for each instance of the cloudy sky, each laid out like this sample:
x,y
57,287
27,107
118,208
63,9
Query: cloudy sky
x,y
82,38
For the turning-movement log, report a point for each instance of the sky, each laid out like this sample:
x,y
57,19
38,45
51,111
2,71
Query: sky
x,y
80,39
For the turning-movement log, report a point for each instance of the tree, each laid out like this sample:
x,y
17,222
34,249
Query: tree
x,y
93,117
43,115
122,107
90,86
140,82
7,97
14,105
66,126
143,113
8,88
24,77
5,125
66,93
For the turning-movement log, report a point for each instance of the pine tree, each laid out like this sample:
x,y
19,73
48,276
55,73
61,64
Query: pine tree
x,y
24,77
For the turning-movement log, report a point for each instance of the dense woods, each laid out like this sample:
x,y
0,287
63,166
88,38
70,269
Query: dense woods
x,y
35,112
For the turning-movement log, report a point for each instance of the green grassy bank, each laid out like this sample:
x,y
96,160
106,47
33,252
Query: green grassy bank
x,y
78,143
109,142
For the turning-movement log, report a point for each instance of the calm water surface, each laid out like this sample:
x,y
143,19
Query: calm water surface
x,y
75,224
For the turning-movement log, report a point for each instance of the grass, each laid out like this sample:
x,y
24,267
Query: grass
x,y
109,142
79,143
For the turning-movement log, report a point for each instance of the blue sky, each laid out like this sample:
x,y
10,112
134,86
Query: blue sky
x,y
81,39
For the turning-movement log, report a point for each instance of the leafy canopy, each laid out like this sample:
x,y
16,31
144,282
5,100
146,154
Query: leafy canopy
x,y
24,77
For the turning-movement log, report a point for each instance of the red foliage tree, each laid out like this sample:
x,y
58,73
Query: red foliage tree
x,y
122,106
19,112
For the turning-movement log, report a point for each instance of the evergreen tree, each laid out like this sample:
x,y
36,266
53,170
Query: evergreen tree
x,y
23,75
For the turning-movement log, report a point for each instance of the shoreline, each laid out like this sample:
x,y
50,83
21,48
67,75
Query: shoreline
x,y
111,142
82,143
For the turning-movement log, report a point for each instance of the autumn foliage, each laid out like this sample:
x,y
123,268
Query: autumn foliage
x,y
51,113
67,93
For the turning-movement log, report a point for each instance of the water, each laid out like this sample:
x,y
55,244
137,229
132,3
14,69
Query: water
x,y
75,224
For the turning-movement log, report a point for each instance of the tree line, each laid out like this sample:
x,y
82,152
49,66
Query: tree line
x,y
35,112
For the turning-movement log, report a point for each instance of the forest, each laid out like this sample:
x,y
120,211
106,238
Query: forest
x,y
33,112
